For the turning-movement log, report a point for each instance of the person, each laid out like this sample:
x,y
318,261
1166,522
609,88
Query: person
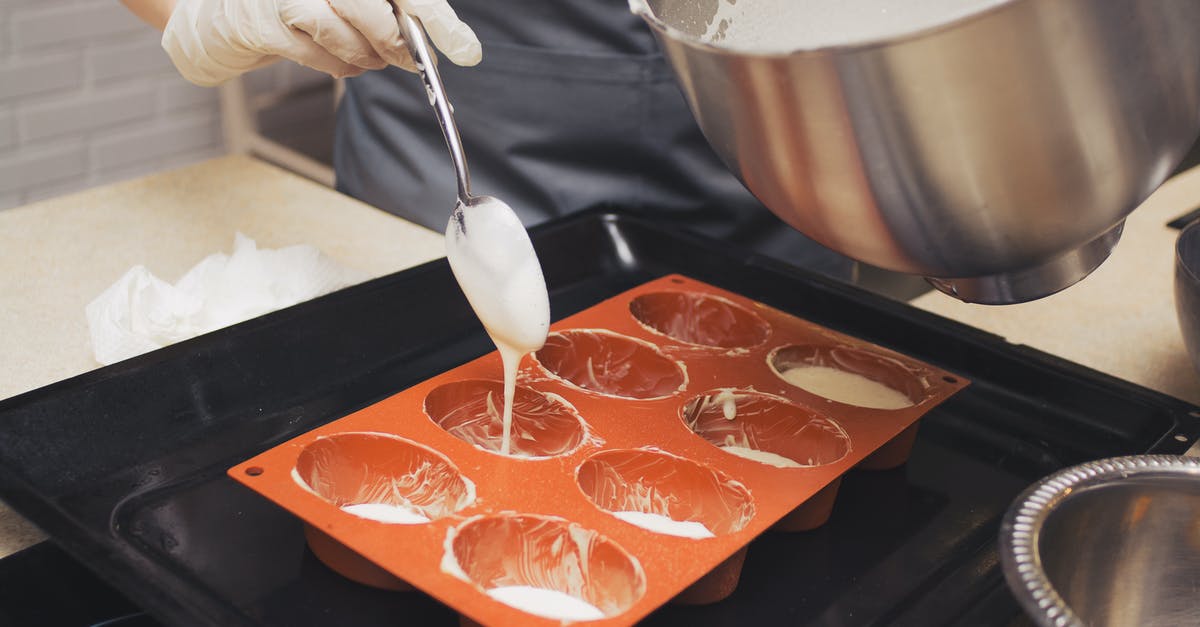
x,y
563,105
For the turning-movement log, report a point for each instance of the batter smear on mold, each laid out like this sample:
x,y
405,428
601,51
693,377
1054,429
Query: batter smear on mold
x,y
662,524
387,513
546,603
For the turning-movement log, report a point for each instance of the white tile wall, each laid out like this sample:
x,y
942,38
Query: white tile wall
x,y
175,94
30,74
69,23
137,58
8,132
42,164
87,96
117,148
79,113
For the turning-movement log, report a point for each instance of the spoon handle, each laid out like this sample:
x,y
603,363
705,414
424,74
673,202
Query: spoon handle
x,y
418,46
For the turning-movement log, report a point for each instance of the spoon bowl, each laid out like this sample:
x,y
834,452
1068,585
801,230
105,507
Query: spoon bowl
x,y
493,259
487,246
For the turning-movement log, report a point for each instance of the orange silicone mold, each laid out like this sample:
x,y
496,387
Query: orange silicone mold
x,y
654,436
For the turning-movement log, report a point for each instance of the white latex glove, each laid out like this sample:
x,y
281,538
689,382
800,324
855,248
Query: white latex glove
x,y
211,41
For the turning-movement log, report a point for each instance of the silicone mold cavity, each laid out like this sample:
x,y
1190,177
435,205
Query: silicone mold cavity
x,y
376,468
654,482
542,425
762,422
547,553
699,319
882,369
611,364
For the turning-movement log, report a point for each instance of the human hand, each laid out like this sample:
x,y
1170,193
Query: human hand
x,y
211,41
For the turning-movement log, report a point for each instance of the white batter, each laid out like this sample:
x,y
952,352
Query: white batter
x,y
386,513
664,525
546,603
728,404
498,270
786,25
846,387
778,461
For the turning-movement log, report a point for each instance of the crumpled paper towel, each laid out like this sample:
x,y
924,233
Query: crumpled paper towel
x,y
141,312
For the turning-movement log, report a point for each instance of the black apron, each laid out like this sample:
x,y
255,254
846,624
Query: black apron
x,y
572,107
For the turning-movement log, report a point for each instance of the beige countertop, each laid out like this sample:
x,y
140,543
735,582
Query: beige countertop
x,y
1119,320
61,253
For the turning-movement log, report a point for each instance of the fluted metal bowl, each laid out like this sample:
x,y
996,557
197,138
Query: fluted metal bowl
x,y
997,155
1108,543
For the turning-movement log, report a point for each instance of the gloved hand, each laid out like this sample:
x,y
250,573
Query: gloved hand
x,y
211,41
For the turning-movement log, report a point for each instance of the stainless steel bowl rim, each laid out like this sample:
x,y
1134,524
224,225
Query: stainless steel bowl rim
x,y
642,9
1193,226
1019,532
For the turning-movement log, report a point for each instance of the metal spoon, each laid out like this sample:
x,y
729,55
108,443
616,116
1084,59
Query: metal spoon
x,y
488,248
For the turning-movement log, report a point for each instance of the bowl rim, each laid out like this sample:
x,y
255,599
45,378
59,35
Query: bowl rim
x,y
642,9
1188,232
1021,528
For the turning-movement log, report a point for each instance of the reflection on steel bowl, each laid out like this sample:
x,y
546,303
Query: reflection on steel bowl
x,y
1187,289
1110,542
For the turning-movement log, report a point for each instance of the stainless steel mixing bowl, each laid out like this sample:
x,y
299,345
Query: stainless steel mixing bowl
x,y
1187,289
1107,543
998,154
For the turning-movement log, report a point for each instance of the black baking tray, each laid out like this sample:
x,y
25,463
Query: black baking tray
x,y
124,467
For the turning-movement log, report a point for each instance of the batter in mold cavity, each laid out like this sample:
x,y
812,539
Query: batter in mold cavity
x,y
846,387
